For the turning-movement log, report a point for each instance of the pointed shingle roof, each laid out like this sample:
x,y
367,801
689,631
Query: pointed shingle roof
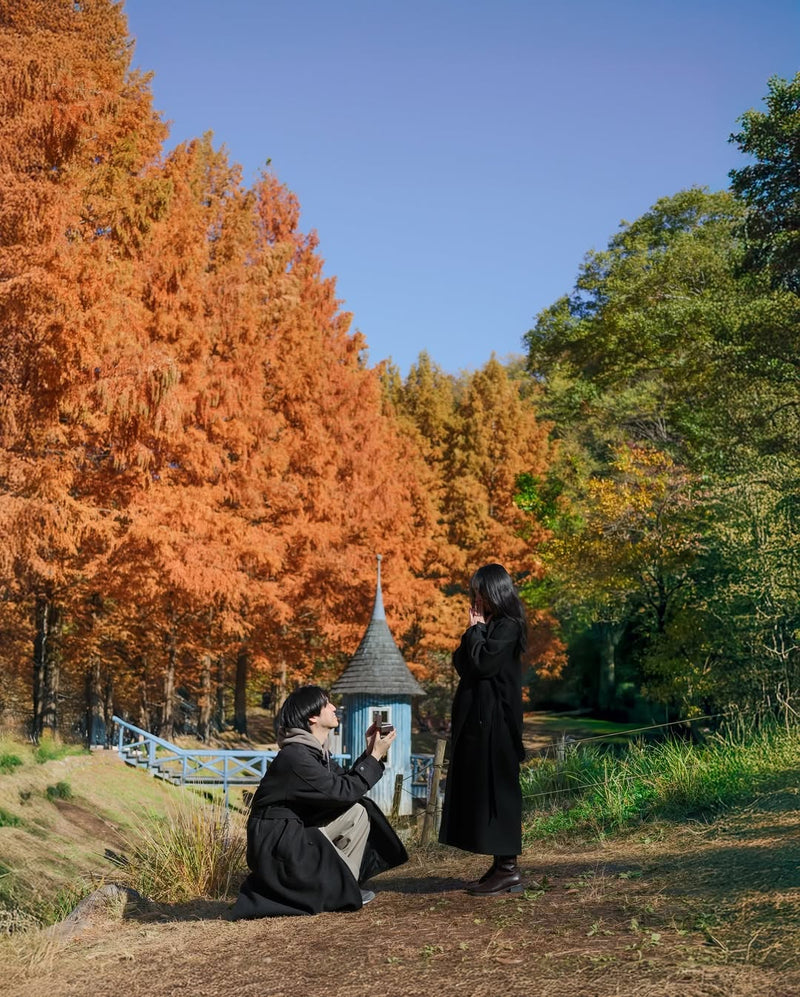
x,y
378,666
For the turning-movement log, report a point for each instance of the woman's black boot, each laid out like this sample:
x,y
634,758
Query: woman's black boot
x,y
484,877
505,878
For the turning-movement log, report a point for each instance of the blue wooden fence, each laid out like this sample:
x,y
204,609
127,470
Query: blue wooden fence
x,y
217,767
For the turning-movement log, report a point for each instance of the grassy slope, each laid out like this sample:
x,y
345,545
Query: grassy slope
x,y
52,848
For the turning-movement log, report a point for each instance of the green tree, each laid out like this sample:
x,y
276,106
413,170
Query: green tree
x,y
629,559
634,352
731,640
660,346
770,186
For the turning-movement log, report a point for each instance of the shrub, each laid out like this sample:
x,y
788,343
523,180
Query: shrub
x,y
50,751
8,819
9,762
61,791
198,851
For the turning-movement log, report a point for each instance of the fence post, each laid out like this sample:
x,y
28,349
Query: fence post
x,y
398,793
429,823
561,754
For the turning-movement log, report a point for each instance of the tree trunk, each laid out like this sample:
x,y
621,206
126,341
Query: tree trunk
x,y
144,719
41,621
95,721
219,706
662,604
608,637
204,721
240,693
282,691
46,666
108,705
52,672
167,727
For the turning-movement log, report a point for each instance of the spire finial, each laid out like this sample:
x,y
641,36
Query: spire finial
x,y
377,610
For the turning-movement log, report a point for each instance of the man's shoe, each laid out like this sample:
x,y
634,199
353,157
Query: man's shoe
x,y
366,896
504,879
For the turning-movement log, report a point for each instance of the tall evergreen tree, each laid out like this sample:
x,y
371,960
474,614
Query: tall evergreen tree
x,y
76,128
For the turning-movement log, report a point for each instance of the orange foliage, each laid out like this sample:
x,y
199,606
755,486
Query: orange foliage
x,y
68,110
478,434
197,463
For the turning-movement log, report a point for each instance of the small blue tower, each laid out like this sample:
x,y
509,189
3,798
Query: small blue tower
x,y
378,680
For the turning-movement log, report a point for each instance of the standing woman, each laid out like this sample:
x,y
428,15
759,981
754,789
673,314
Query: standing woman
x,y
483,802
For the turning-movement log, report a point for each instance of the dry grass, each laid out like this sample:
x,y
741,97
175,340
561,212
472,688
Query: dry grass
x,y
59,849
195,850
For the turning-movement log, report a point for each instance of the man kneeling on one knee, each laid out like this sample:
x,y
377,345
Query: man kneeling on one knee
x,y
313,836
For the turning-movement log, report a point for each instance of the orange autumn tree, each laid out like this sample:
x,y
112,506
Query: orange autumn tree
x,y
272,475
480,433
75,128
496,438
340,483
122,408
425,406
185,545
499,438
198,465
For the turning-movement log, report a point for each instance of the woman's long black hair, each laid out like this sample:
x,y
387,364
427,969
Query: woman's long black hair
x,y
499,597
307,701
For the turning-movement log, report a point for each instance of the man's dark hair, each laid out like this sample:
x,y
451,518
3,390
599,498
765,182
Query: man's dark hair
x,y
307,701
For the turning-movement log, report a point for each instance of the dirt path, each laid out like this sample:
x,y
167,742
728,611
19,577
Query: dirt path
x,y
692,911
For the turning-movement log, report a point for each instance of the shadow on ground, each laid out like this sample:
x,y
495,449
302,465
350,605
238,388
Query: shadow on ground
x,y
420,884
192,910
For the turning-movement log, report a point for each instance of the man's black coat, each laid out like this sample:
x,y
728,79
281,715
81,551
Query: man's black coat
x,y
482,809
294,868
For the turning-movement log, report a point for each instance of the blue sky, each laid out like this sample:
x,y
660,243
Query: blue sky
x,y
459,157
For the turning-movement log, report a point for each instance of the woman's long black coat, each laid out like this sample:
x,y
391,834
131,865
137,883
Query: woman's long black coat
x,y
294,868
482,802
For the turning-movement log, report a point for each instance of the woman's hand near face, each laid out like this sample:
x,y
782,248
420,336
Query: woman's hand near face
x,y
477,610
476,614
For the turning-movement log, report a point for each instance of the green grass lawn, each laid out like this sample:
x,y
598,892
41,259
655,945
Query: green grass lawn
x,y
580,727
549,727
594,791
